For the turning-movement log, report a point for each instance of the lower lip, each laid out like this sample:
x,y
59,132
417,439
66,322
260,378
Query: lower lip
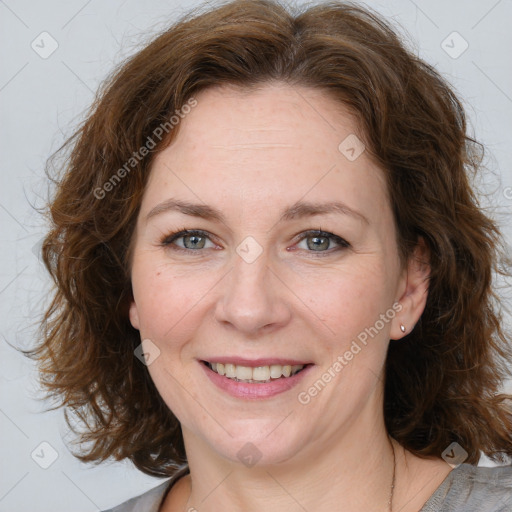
x,y
256,390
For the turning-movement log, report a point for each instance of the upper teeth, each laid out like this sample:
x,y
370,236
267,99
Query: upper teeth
x,y
259,373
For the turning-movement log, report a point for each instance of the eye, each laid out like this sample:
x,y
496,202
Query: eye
x,y
321,241
317,241
191,240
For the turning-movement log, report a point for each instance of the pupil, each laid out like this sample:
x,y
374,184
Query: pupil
x,y
316,244
194,239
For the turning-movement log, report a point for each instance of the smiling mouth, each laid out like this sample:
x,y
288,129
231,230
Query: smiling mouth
x,y
255,375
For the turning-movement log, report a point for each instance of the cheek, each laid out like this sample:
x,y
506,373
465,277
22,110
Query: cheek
x,y
167,300
346,299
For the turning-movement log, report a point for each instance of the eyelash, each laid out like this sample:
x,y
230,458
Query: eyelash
x,y
168,240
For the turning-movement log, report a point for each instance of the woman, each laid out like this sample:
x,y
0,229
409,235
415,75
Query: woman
x,y
274,282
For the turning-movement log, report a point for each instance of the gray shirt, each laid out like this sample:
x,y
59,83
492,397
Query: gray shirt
x,y
467,488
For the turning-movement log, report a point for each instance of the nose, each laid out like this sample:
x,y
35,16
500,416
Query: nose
x,y
253,299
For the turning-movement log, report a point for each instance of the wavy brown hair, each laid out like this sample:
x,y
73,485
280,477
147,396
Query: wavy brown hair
x,y
442,380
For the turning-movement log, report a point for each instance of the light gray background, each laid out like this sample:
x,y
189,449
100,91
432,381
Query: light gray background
x,y
41,100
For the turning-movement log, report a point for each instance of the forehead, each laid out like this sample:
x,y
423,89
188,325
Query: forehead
x,y
270,145
271,115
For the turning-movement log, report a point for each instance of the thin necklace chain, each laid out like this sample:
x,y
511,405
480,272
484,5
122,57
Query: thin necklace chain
x,y
390,501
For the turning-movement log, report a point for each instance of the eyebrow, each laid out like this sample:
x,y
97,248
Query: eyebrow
x,y
299,210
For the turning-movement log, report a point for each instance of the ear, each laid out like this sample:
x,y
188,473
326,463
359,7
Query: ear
x,y
413,291
134,315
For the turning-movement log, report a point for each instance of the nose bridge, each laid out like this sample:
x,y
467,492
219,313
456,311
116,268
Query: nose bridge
x,y
252,296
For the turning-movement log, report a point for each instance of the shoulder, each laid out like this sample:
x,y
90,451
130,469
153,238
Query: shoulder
x,y
151,500
470,488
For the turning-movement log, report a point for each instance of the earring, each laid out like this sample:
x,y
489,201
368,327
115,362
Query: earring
x,y
402,327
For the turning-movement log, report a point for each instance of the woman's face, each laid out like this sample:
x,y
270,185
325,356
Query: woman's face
x,y
258,285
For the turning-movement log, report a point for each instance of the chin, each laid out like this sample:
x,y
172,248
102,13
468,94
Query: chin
x,y
259,444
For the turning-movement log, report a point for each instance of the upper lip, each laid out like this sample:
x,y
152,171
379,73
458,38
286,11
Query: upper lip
x,y
264,361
